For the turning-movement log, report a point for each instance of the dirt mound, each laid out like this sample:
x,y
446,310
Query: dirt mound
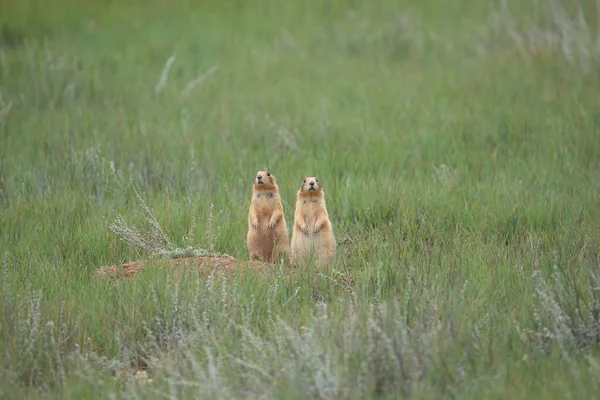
x,y
207,264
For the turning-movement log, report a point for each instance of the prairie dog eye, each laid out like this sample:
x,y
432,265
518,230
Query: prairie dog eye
x,y
317,180
268,174
304,181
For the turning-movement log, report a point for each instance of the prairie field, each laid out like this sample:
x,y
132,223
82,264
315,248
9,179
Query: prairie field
x,y
458,144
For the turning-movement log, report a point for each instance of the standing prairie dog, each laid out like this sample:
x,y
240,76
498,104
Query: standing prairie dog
x,y
267,232
313,234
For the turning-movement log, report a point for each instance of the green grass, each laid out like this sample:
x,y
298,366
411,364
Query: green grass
x,y
458,144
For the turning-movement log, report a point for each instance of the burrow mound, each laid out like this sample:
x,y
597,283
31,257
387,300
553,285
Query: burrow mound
x,y
204,264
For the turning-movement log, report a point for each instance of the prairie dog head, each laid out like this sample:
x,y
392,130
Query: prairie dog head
x,y
264,180
310,187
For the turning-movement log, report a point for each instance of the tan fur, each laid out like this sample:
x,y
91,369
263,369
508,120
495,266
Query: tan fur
x,y
312,235
267,231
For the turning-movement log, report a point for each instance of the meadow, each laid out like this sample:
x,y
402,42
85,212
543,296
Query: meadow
x,y
458,143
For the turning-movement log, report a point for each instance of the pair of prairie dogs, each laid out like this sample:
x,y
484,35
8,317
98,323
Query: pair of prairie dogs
x,y
267,231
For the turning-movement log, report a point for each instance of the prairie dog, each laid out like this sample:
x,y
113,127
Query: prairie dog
x,y
267,231
312,235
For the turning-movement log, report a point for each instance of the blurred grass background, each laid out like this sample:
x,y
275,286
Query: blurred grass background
x,y
458,145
